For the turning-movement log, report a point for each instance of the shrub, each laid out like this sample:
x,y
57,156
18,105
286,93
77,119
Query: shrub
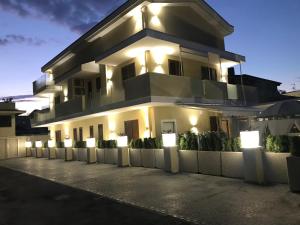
x,y
107,144
80,144
158,143
295,146
188,141
150,143
60,144
138,143
277,143
46,144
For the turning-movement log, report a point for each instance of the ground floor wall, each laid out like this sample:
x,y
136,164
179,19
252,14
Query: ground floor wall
x,y
151,121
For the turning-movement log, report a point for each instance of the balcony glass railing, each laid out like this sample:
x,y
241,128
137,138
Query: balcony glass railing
x,y
42,83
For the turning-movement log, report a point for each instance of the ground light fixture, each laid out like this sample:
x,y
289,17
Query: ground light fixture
x,y
122,141
90,142
169,140
28,144
68,143
51,144
249,139
38,144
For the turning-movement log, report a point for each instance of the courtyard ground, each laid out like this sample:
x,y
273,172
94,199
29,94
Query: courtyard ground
x,y
196,198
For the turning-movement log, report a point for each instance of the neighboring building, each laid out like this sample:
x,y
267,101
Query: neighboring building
x,y
14,130
293,94
149,67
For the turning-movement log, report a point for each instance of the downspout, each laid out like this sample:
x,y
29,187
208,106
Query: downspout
x,y
242,84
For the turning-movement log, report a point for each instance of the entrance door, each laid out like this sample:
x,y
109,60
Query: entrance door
x,y
132,129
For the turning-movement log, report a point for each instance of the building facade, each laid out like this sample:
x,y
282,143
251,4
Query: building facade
x,y
148,68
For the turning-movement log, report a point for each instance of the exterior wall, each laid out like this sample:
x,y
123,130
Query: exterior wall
x,y
192,26
184,118
148,118
9,131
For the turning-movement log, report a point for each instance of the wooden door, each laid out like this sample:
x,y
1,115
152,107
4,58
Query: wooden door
x,y
58,136
100,132
132,129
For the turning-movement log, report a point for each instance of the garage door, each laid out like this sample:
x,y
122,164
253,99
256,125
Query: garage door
x,y
2,148
12,148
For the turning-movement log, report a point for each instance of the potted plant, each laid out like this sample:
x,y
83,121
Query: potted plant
x,y
80,151
135,152
188,145
148,153
60,150
209,156
110,152
293,164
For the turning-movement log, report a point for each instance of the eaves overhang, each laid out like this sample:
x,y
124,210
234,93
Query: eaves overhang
x,y
67,53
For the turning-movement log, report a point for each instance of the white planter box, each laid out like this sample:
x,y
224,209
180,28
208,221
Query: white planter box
x,y
45,153
39,152
188,160
69,154
100,155
232,164
276,167
81,154
209,162
33,152
110,155
148,158
60,153
135,157
52,153
159,158
123,157
91,155
171,156
293,163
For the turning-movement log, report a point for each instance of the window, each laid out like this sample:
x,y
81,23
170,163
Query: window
x,y
98,84
214,123
79,87
75,135
91,131
174,67
208,73
80,134
168,126
100,131
57,100
5,121
90,88
128,71
58,136
132,129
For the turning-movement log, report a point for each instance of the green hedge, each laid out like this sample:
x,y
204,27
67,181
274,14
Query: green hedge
x,y
147,143
208,141
80,144
107,144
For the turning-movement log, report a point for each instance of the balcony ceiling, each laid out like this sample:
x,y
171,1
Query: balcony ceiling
x,y
135,49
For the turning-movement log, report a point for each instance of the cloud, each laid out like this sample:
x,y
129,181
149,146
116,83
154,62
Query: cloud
x,y
78,15
20,39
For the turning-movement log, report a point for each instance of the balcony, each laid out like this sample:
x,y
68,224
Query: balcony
x,y
152,84
70,107
44,85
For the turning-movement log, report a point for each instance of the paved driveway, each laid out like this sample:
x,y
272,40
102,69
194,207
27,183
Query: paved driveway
x,y
198,198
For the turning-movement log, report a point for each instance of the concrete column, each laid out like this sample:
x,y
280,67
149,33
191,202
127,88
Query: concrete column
x,y
253,166
52,153
91,155
171,157
39,152
123,156
68,154
28,152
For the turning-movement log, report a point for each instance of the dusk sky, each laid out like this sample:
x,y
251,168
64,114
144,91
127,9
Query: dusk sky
x,y
33,31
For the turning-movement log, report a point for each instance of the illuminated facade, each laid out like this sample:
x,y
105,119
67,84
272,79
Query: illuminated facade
x,y
151,67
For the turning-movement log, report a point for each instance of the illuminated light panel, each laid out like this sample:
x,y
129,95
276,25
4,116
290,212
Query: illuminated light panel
x,y
28,144
51,143
193,120
91,142
249,139
169,140
68,143
38,144
122,141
